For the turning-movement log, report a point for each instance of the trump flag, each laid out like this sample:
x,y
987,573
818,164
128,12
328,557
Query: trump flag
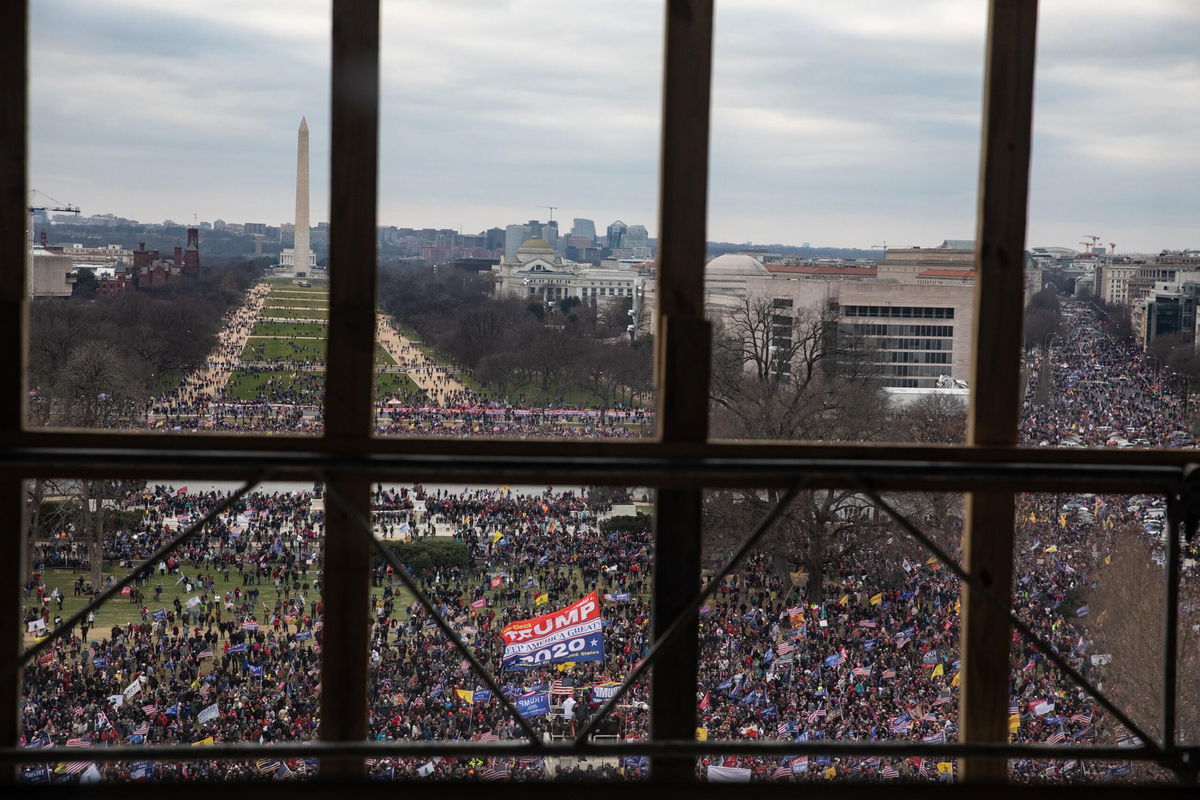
x,y
574,633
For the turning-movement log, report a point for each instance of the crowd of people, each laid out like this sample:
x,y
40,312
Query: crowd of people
x,y
871,655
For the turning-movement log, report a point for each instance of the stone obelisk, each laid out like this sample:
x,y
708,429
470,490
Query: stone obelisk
x,y
300,245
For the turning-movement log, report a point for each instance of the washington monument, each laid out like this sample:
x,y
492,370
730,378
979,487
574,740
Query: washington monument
x,y
300,246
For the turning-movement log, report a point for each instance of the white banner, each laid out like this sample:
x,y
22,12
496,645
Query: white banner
x,y
728,774
212,712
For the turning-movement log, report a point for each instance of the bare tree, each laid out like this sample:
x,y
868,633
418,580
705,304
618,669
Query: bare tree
x,y
786,375
1124,621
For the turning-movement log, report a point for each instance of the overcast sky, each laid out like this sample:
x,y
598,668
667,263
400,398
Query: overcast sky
x,y
841,124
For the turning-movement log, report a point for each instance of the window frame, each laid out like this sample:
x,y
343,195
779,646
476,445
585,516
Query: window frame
x,y
679,462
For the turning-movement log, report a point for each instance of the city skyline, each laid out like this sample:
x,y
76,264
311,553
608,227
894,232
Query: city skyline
x,y
826,129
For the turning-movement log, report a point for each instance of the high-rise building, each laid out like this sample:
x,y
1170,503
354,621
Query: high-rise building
x,y
514,235
616,234
637,239
583,228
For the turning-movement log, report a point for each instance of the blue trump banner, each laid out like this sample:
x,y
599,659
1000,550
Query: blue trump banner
x,y
574,633
534,704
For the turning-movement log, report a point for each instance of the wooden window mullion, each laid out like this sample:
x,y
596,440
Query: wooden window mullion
x,y
682,373
350,370
995,371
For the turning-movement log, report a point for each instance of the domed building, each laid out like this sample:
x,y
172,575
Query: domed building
x,y
728,278
538,271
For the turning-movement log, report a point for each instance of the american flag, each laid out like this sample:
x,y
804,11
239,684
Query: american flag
x,y
489,737
149,708
888,674
1056,738
79,742
75,767
889,772
781,773
943,697
786,649
560,688
861,671
1013,708
813,716
784,728
921,768
141,730
1083,719
206,653
493,774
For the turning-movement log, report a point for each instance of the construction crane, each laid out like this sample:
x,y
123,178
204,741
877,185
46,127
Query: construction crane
x,y
552,210
1112,248
53,205
1092,239
58,205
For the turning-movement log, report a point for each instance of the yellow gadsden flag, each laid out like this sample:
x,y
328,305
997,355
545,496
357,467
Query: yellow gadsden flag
x,y
938,671
541,599
945,768
877,599
701,734
1014,723
465,694
205,742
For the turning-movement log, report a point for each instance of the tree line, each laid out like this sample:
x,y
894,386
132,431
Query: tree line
x,y
95,360
515,346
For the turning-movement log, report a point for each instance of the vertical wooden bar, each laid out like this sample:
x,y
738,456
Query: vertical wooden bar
x,y
682,355
14,44
995,372
349,386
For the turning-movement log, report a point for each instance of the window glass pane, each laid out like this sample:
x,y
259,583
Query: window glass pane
x,y
490,558
1111,227
836,626
217,642
1089,579
845,150
174,151
510,305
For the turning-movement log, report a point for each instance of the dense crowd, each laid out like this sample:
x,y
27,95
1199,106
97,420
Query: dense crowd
x,y
872,656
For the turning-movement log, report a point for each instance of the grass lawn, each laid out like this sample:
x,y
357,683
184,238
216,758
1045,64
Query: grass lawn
x,y
382,357
295,313
415,339
119,610
308,386
533,394
317,283
298,302
284,349
289,329
389,383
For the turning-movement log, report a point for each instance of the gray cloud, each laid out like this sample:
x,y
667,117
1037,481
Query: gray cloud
x,y
831,123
